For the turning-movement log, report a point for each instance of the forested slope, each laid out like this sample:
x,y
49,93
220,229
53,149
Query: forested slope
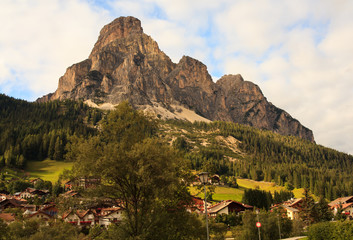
x,y
263,155
35,131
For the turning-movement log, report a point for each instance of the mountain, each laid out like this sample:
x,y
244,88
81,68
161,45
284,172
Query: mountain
x,y
127,64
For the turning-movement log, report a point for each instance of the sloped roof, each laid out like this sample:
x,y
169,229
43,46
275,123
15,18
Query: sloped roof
x,y
108,211
79,213
221,205
7,217
291,208
39,212
66,213
343,206
11,201
341,200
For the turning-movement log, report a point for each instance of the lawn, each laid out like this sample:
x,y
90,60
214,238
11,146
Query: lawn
x,y
48,170
267,186
227,193
222,193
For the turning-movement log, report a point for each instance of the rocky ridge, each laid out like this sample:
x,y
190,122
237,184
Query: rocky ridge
x,y
127,64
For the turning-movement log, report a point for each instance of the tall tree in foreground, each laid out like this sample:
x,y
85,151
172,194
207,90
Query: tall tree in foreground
x,y
145,174
307,211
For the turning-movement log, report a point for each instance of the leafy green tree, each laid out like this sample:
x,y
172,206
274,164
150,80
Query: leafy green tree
x,y
141,171
43,185
57,231
18,186
57,188
307,208
218,230
249,230
22,229
181,144
322,211
321,231
269,226
257,198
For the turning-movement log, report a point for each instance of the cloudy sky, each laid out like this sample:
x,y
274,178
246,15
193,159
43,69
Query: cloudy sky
x,y
299,52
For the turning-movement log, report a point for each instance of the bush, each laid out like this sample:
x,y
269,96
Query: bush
x,y
321,231
331,230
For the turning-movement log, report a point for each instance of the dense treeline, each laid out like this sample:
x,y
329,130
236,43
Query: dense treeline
x,y
287,160
35,131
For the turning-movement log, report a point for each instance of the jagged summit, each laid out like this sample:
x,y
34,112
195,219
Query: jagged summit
x,y
127,64
122,27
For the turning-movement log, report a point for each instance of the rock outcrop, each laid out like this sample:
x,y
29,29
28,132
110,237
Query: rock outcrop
x,y
127,64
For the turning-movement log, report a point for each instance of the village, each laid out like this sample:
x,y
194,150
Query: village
x,y
19,206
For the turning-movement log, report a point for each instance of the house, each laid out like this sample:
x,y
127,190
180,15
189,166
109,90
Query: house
x,y
70,194
226,207
10,203
80,217
108,216
215,179
32,192
83,182
51,210
341,200
30,207
294,203
197,205
39,215
7,217
71,216
292,213
343,203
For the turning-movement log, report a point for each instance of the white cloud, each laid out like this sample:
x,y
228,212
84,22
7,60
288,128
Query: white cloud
x,y
42,39
298,52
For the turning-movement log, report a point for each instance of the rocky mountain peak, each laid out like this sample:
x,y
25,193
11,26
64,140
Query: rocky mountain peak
x,y
122,27
127,64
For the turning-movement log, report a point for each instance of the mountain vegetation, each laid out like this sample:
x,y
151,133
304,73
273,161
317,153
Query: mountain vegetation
x,y
236,150
142,171
37,131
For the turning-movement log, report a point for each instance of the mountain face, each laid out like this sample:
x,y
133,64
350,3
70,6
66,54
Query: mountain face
x,y
127,64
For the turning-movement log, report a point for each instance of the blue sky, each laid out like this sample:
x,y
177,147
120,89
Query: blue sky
x,y
298,52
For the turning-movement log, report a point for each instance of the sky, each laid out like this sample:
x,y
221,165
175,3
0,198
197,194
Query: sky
x,y
300,53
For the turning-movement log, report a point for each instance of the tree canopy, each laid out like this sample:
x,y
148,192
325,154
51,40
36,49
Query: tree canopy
x,y
142,172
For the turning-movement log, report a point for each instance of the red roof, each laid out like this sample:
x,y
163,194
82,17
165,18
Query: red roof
x,y
7,217
341,200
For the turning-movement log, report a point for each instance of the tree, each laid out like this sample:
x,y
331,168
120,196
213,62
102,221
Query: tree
x,y
307,208
43,185
144,173
322,211
57,188
18,186
57,231
269,226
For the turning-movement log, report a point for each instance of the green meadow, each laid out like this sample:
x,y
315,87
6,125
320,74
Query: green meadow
x,y
48,170
236,194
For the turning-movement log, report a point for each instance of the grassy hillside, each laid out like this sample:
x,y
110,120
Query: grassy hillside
x,y
236,194
48,170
